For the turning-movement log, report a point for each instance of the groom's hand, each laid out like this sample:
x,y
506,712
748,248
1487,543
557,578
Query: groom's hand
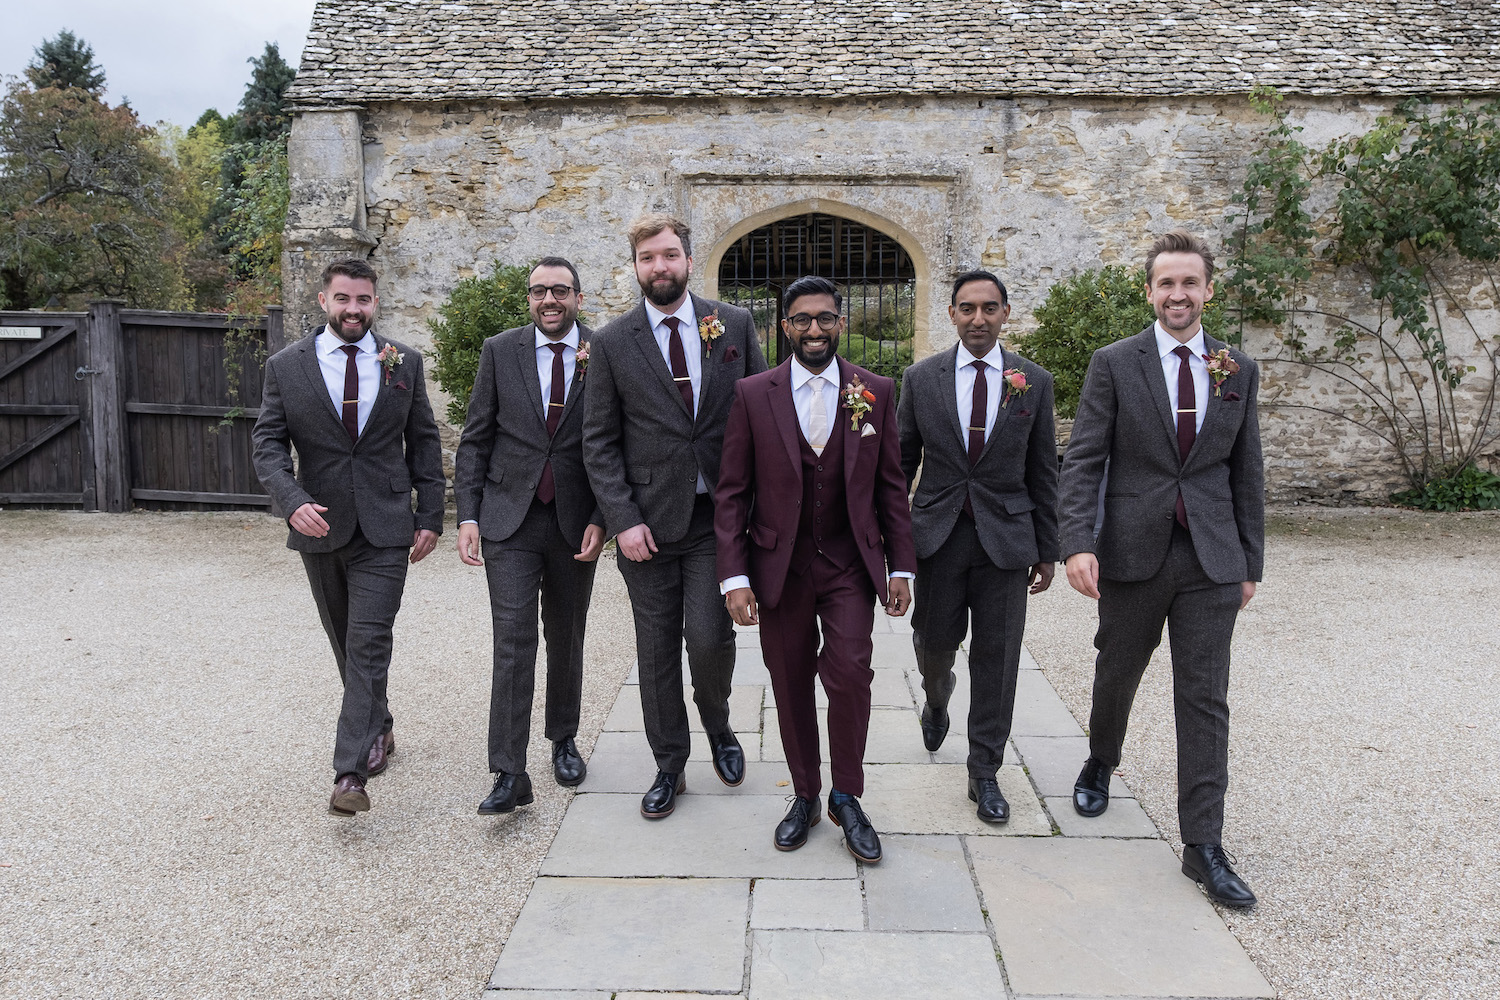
x,y
741,604
307,520
1083,574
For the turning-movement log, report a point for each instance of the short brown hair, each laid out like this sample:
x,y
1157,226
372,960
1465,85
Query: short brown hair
x,y
350,267
1180,241
652,223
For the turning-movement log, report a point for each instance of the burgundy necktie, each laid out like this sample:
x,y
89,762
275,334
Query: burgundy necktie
x,y
546,487
976,419
679,363
351,393
1187,419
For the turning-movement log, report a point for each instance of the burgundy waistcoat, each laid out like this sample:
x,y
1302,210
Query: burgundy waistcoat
x,y
824,522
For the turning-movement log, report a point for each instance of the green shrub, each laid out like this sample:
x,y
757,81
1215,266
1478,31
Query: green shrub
x,y
479,307
1087,312
1465,488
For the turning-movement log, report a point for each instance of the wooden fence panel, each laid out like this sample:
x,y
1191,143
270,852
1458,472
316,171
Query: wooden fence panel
x,y
46,455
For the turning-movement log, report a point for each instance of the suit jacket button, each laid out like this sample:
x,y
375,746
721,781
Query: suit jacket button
x,y
957,509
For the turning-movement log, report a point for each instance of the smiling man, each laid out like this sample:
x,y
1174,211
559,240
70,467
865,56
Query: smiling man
x,y
1167,422
527,515
813,528
977,419
661,378
354,405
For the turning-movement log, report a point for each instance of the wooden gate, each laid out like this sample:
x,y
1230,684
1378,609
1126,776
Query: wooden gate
x,y
46,439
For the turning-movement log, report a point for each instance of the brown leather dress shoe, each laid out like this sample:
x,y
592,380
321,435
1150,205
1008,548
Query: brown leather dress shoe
x,y
380,752
349,796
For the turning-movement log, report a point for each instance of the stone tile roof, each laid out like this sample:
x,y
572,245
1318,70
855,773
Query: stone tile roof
x,y
361,51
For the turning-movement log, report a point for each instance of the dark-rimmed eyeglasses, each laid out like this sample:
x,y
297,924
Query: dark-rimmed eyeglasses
x,y
802,322
539,292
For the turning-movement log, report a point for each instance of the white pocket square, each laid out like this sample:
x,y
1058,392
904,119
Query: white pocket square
x,y
867,430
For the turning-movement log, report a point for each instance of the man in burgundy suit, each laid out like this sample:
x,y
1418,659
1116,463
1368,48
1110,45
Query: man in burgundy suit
x,y
810,513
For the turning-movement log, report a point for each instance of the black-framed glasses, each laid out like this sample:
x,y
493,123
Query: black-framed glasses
x,y
802,322
559,292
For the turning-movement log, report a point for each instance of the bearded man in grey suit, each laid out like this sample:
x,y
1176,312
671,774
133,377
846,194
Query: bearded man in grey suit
x,y
354,405
524,499
1167,424
978,420
661,381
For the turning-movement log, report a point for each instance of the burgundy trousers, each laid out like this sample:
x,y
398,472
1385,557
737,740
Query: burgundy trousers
x,y
844,602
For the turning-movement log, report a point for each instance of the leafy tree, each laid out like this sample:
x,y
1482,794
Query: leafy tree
x,y
478,307
1086,312
64,62
263,113
251,233
1414,224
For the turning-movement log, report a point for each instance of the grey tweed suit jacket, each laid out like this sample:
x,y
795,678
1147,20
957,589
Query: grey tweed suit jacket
x,y
1125,417
505,442
368,482
642,449
1013,487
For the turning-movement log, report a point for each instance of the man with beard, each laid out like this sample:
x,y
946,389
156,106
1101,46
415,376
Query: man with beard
x,y
661,378
813,526
520,485
354,405
1167,422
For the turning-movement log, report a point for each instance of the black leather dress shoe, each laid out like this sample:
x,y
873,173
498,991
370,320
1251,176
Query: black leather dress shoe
x,y
661,798
729,758
992,805
935,723
1211,867
567,766
510,790
791,833
859,835
1091,791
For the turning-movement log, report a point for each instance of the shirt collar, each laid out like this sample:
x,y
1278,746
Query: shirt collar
x,y
571,339
1166,343
329,342
684,312
801,376
995,358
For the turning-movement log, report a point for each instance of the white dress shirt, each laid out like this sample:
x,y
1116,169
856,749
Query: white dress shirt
x,y
692,350
333,361
964,377
544,355
802,399
1166,344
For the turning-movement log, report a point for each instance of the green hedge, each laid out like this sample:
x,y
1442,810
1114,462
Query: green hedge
x,y
478,308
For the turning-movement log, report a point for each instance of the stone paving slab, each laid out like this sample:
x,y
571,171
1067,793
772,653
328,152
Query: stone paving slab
x,y
622,762
1123,818
922,884
807,904
1106,918
1054,763
709,836
934,798
592,933
744,710
1039,711
833,965
548,995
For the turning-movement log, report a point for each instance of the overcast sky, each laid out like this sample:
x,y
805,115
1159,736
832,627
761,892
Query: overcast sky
x,y
173,58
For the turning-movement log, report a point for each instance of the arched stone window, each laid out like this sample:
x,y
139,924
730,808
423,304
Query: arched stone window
x,y
872,270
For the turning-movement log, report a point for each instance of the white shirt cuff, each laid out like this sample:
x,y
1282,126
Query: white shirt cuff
x,y
902,574
468,522
734,583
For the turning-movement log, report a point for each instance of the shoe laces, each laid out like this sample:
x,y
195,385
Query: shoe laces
x,y
1220,858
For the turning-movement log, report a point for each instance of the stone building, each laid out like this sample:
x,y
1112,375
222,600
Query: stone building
x,y
887,144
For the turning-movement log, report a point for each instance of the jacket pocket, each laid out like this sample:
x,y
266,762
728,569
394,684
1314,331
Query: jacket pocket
x,y
763,536
638,475
1017,503
496,475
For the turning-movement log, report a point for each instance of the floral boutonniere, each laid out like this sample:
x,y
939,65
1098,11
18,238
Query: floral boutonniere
x,y
1220,367
389,358
858,400
1015,385
581,360
710,329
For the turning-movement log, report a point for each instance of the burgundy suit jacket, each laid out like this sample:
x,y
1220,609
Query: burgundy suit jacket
x,y
758,503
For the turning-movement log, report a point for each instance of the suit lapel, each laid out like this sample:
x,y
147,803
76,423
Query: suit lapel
x,y
646,341
784,411
1156,382
575,391
1213,405
708,369
314,372
948,397
382,389
851,432
526,369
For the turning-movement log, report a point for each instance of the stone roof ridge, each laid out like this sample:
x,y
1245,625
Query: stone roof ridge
x,y
363,51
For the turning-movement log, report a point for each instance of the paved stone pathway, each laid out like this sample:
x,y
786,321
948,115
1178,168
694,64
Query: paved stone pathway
x,y
701,903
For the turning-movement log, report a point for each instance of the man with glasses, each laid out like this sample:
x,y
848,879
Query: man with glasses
x,y
660,384
527,515
977,419
813,527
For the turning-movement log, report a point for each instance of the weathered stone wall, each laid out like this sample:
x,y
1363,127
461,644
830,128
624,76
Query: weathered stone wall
x,y
1036,189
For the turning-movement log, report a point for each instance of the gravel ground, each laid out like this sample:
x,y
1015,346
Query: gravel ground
x,y
1363,769
168,711
169,701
